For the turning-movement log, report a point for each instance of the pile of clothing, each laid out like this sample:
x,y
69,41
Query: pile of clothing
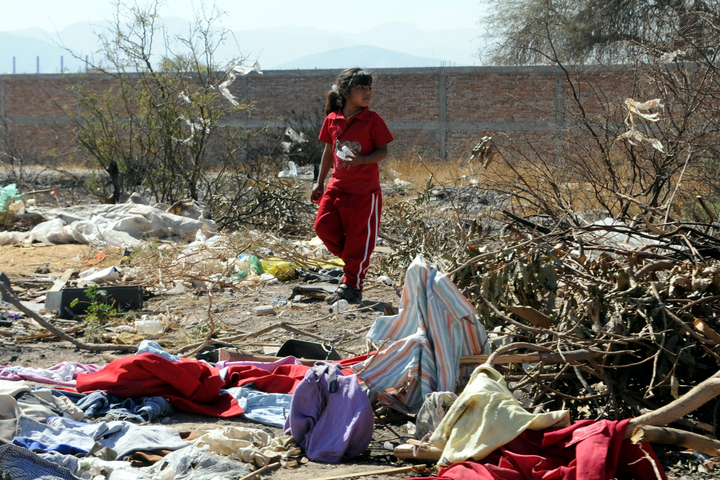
x,y
94,420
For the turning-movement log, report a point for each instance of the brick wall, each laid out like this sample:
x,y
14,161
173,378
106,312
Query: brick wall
x,y
435,112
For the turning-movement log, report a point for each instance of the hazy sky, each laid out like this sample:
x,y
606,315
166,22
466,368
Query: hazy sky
x,y
335,15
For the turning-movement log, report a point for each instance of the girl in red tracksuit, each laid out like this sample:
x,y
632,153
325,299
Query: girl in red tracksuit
x,y
348,217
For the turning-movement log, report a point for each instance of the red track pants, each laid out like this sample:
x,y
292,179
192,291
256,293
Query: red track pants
x,y
348,224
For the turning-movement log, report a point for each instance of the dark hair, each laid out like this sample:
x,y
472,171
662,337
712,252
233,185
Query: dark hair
x,y
347,79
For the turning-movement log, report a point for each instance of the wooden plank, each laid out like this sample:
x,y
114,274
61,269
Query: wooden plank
x,y
232,356
60,282
425,451
547,357
388,471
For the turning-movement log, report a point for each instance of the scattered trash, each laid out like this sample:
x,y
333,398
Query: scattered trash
x,y
632,135
294,136
385,280
313,291
304,349
339,306
239,275
121,225
120,296
110,274
178,289
6,319
252,263
291,172
263,310
149,326
8,194
282,269
98,258
268,278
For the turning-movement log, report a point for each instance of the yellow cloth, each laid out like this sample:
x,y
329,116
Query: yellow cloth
x,y
487,416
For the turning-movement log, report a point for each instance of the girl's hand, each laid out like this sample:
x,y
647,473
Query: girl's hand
x,y
317,193
354,161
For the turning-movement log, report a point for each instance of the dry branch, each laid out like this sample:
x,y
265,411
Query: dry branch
x,y
705,329
531,315
691,401
672,436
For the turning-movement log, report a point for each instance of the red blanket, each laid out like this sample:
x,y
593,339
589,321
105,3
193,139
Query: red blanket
x,y
587,450
283,379
190,385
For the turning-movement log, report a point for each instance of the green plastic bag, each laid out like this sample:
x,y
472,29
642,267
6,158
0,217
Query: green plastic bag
x,y
8,195
253,262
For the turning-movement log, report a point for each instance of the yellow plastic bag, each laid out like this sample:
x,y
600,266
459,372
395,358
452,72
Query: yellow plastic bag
x,y
285,270
282,269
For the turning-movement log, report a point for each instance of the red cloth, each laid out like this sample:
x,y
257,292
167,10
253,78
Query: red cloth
x,y
586,450
190,385
348,225
365,131
283,379
349,362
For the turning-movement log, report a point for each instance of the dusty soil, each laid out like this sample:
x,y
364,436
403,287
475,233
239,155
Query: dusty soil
x,y
24,260
188,323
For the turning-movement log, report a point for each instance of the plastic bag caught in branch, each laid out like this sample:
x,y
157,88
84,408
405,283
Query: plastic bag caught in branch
x,y
669,57
484,150
633,134
642,110
638,108
294,136
234,72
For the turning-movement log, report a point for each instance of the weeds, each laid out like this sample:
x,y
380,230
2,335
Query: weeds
x,y
99,313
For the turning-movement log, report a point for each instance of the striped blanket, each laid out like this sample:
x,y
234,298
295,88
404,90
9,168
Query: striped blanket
x,y
419,349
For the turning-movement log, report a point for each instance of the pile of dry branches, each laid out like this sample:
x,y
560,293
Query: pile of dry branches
x,y
608,320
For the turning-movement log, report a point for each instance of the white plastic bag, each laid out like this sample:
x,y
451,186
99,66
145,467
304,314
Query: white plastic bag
x,y
110,274
7,238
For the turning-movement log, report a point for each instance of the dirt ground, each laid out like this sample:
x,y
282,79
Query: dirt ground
x,y
33,268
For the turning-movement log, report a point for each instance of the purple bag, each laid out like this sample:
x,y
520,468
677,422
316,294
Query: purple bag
x,y
330,415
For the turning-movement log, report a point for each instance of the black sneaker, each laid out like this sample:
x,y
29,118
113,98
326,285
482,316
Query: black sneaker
x,y
347,293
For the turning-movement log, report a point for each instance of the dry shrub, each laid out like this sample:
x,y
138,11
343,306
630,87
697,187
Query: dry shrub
x,y
436,215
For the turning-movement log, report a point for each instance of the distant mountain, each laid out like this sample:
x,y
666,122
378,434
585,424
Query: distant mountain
x,y
362,56
276,47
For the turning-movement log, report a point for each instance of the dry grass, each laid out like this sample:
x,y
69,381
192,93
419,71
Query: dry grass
x,y
417,170
536,185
